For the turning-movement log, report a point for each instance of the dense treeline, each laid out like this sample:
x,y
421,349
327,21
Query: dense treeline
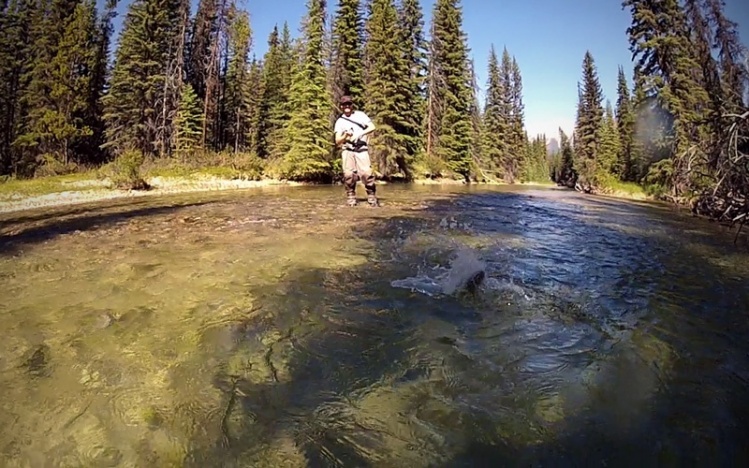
x,y
188,87
182,86
682,130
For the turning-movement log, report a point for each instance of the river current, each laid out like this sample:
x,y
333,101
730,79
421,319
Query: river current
x,y
277,327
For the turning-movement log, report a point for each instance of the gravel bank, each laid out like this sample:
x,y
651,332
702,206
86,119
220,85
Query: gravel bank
x,y
160,186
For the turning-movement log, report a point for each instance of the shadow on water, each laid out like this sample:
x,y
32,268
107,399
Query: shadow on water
x,y
41,228
640,358
41,224
605,334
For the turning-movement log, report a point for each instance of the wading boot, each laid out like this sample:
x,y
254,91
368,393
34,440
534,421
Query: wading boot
x,y
351,199
372,200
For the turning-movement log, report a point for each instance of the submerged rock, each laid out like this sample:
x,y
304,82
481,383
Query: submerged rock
x,y
37,362
104,320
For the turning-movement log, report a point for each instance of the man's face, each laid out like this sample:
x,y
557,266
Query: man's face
x,y
347,108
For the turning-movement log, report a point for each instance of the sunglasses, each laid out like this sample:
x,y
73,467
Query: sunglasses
x,y
347,104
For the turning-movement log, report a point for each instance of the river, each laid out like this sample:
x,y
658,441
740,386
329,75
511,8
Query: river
x,y
277,327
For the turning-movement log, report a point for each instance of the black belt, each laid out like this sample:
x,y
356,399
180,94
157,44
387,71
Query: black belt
x,y
356,148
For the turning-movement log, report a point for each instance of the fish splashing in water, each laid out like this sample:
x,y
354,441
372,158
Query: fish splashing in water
x,y
467,272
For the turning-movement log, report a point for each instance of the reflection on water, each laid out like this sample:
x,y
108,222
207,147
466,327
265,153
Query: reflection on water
x,y
280,328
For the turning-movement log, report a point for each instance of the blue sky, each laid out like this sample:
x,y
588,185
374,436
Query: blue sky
x,y
548,39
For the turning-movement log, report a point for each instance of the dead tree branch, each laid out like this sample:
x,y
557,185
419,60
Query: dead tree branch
x,y
727,201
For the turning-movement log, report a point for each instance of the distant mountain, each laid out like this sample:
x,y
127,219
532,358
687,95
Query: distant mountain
x,y
552,146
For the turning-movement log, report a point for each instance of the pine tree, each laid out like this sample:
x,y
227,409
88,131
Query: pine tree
x,y
289,55
659,39
609,145
132,110
590,113
254,92
6,66
412,101
386,77
494,123
450,57
72,66
47,17
188,122
567,175
710,129
203,29
16,59
347,65
536,165
59,84
239,45
273,94
625,128
509,167
435,81
214,85
518,138
276,80
734,75
475,114
576,146
308,128
722,184
173,82
98,84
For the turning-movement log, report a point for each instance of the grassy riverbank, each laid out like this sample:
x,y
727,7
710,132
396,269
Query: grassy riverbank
x,y
628,190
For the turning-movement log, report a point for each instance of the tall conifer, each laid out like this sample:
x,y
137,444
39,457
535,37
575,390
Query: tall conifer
x,y
387,77
625,127
132,110
347,64
453,142
308,128
412,101
494,123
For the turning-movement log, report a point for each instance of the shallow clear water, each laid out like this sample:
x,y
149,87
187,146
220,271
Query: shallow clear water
x,y
277,327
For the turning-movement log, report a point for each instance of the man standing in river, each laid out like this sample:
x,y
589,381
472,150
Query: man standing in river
x,y
352,131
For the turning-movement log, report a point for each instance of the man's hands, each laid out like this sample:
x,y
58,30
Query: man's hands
x,y
347,135
343,136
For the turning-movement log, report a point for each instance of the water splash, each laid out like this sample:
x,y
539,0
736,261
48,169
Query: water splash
x,y
508,286
466,268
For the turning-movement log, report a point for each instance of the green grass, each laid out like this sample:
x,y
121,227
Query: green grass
x,y
222,166
95,179
611,185
170,171
544,182
629,188
45,185
228,173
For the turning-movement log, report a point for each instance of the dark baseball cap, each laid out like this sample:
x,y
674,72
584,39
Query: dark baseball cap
x,y
346,100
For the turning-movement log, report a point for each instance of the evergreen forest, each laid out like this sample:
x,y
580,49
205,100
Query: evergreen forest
x,y
185,89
